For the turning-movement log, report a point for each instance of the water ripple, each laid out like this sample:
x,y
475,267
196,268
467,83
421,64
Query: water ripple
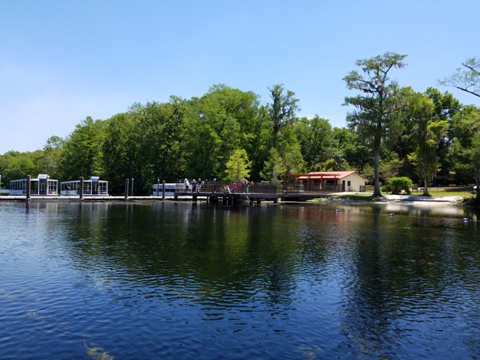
x,y
126,282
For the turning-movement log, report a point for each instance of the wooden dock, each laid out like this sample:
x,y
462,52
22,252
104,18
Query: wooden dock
x,y
229,198
212,192
211,197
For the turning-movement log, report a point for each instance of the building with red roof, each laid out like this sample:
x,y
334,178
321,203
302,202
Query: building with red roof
x,y
331,181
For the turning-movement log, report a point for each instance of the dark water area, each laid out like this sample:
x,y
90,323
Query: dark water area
x,y
181,281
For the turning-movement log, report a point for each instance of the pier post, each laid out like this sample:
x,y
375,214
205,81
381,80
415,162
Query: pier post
x,y
163,189
126,189
28,187
81,188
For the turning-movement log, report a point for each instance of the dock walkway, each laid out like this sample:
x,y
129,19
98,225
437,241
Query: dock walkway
x,y
212,197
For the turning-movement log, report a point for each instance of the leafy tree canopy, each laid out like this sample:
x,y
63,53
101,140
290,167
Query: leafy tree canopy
x,y
466,78
376,107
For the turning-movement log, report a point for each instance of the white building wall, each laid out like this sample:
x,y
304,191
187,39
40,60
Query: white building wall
x,y
355,182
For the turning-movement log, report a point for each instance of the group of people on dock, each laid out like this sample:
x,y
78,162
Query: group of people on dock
x,y
245,186
193,186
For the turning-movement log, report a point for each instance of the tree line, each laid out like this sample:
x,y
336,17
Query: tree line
x,y
229,134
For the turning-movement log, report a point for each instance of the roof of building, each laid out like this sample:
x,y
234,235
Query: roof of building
x,y
327,175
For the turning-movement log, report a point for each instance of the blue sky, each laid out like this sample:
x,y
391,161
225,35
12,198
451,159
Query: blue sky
x,y
61,61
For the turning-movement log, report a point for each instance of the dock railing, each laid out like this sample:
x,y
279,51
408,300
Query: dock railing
x,y
209,187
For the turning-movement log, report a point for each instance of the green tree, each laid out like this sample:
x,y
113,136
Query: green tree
x,y
82,153
355,150
400,183
375,114
161,128
391,167
274,167
445,107
203,144
3,166
145,144
238,167
290,152
396,161
217,124
429,131
466,146
50,157
282,110
247,127
336,163
467,78
317,142
242,106
16,165
118,161
260,143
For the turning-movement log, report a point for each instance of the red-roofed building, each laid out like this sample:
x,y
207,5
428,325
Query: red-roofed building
x,y
332,181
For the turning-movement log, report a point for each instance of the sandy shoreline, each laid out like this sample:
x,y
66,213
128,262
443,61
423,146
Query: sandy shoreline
x,y
455,200
405,199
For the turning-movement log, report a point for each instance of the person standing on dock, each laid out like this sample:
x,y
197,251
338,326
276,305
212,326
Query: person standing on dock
x,y
187,185
245,185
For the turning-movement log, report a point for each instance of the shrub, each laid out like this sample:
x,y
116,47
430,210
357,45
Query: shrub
x,y
386,188
400,183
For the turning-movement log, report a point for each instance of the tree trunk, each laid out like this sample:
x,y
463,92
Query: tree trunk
x,y
376,159
477,181
425,185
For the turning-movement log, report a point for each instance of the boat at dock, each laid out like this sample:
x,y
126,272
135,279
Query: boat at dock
x,y
91,187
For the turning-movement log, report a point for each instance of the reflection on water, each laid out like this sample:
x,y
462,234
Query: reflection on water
x,y
176,280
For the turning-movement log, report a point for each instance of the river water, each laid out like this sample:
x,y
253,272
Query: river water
x,y
169,280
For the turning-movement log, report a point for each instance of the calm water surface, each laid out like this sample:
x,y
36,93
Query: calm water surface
x,y
182,281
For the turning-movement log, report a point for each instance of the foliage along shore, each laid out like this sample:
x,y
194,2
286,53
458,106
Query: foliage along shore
x,y
229,134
